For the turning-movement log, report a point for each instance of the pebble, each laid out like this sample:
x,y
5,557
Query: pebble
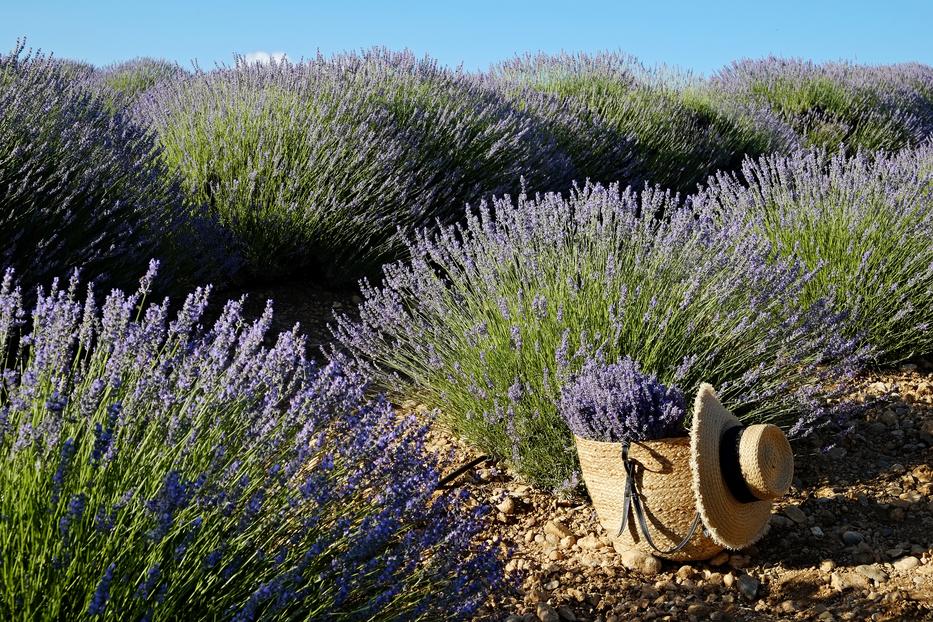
x,y
872,572
817,532
567,541
566,613
699,610
508,506
589,542
788,606
827,565
907,563
720,559
848,580
546,613
557,529
794,513
639,561
685,572
728,579
851,538
747,586
739,561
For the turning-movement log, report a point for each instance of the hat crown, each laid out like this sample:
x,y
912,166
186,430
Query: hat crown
x,y
766,460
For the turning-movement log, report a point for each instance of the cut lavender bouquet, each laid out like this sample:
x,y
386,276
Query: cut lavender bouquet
x,y
620,403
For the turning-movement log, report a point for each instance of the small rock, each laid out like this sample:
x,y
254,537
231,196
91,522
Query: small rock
x,y
567,541
908,367
849,580
555,556
872,572
685,572
817,532
546,613
508,506
851,538
699,610
557,529
739,561
728,579
788,606
794,513
898,468
566,613
639,561
589,542
827,565
907,563
747,586
720,559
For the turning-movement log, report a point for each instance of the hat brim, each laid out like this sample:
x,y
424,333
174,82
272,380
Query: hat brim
x,y
731,523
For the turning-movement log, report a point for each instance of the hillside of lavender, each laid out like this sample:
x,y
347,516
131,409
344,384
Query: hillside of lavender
x,y
511,239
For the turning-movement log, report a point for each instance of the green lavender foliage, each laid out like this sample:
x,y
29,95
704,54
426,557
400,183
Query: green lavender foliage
x,y
128,80
861,107
867,221
682,135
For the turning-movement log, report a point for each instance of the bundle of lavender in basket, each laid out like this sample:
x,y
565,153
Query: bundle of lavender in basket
x,y
618,402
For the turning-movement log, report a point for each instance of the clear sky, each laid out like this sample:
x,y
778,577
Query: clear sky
x,y
699,34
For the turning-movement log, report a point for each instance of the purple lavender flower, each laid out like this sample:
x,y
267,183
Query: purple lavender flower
x,y
618,402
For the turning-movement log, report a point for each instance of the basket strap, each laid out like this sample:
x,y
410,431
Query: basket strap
x,y
632,501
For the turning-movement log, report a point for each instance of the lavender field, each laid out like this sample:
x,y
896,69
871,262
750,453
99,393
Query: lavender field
x,y
560,234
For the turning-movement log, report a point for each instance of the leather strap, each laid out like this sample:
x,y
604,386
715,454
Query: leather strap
x,y
632,501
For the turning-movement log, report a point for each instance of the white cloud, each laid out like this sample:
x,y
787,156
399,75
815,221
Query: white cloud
x,y
264,58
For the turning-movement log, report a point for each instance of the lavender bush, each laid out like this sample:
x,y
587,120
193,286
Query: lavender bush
x,y
154,469
867,221
487,321
128,80
867,108
681,137
316,166
620,403
82,187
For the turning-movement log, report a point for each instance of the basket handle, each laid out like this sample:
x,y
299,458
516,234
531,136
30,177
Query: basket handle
x,y
632,500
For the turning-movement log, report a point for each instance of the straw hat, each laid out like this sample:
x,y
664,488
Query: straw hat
x,y
737,471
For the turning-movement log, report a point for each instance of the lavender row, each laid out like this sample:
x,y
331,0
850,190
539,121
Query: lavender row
x,y
83,186
157,469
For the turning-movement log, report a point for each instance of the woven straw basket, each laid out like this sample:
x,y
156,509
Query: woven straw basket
x,y
664,480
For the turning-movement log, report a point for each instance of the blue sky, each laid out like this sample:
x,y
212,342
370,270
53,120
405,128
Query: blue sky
x,y
701,34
